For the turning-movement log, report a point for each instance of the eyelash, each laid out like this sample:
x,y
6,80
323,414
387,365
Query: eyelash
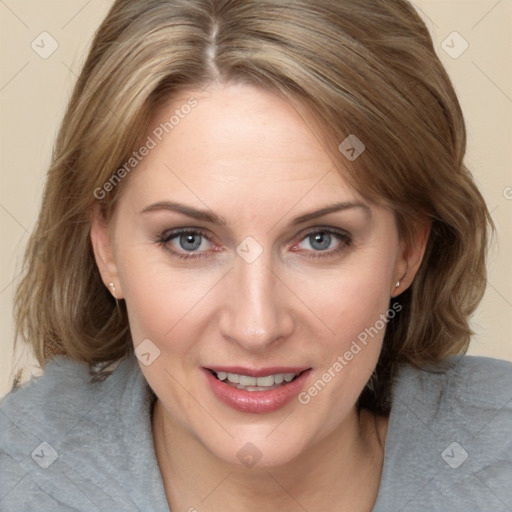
x,y
165,237
343,237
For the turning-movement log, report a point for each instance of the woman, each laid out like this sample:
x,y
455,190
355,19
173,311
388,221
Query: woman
x,y
260,251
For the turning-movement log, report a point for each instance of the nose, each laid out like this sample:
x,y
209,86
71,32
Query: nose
x,y
256,308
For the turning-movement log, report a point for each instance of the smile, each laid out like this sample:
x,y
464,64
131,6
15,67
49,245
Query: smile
x,y
251,383
265,392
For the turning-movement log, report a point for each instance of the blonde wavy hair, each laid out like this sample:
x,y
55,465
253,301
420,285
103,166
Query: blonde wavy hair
x,y
366,67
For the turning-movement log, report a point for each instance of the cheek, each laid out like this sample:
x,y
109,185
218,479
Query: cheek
x,y
163,301
352,304
348,359
156,302
349,299
165,306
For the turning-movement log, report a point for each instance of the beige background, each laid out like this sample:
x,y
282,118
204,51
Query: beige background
x,y
34,91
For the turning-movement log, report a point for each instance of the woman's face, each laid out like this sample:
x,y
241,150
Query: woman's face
x,y
240,249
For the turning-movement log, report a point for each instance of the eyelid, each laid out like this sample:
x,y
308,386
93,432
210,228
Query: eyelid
x,y
342,233
325,229
169,234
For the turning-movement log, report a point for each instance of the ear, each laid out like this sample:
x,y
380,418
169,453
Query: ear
x,y
411,256
103,249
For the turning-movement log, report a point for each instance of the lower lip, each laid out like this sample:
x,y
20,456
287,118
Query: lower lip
x,y
256,402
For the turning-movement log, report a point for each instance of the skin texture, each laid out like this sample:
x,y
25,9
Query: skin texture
x,y
247,156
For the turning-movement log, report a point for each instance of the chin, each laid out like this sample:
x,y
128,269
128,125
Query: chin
x,y
257,452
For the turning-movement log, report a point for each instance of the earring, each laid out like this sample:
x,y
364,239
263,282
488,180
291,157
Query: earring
x,y
113,286
397,285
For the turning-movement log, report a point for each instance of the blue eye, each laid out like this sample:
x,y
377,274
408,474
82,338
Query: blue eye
x,y
189,241
194,243
325,242
320,241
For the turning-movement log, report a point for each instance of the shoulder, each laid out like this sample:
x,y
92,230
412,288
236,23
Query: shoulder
x,y
50,403
467,397
68,442
470,381
449,443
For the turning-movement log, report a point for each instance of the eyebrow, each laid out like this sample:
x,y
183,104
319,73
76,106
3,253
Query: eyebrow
x,y
336,207
208,216
203,215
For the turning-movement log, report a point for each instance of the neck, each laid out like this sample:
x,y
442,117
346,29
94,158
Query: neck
x,y
344,468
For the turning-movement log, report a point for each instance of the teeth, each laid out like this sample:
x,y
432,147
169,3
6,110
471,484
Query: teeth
x,y
264,381
246,380
278,378
234,378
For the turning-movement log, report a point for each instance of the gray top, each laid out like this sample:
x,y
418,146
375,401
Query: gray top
x,y
71,445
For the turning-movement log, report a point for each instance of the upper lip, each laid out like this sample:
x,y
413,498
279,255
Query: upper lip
x,y
258,372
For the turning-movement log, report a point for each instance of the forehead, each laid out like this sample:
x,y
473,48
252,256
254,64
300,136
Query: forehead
x,y
237,142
